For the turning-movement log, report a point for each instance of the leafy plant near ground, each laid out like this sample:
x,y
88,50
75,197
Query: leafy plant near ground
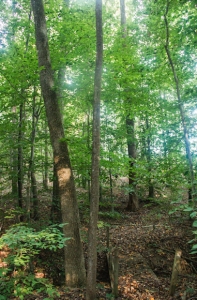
x,y
192,213
24,243
22,285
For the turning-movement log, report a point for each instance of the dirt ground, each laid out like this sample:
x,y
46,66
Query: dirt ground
x,y
146,241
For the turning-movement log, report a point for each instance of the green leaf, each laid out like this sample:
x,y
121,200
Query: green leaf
x,y
194,247
188,209
173,211
193,214
194,224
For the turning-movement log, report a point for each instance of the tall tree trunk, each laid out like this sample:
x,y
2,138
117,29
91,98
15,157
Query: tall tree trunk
x,y
74,260
46,175
150,184
187,143
35,117
14,158
133,203
31,171
20,160
88,145
110,172
94,197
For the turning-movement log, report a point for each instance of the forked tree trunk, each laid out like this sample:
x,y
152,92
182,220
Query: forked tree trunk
x,y
94,197
74,260
133,203
187,143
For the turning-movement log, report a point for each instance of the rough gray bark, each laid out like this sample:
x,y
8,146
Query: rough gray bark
x,y
187,143
74,260
133,203
94,197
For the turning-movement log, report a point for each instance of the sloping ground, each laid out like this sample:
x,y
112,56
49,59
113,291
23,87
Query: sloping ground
x,y
146,241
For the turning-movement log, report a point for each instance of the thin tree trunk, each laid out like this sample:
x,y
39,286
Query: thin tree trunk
x,y
46,175
88,145
110,173
34,195
83,178
28,200
187,143
33,178
150,184
14,158
133,203
20,160
14,154
31,171
74,260
94,198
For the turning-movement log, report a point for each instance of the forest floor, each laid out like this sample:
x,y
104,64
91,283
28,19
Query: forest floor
x,y
145,238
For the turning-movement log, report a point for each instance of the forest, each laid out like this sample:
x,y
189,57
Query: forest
x,y
98,156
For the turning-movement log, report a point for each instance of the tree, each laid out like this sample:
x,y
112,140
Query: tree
x,y
133,200
94,196
74,259
185,130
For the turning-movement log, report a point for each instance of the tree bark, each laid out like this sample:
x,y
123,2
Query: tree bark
x,y
187,143
150,184
14,158
94,197
46,175
20,161
35,117
74,260
133,203
88,145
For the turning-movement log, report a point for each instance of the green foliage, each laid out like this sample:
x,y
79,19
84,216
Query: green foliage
x,y
192,213
28,242
110,296
24,243
21,285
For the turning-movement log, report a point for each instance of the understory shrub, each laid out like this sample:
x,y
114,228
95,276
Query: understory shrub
x,y
23,244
